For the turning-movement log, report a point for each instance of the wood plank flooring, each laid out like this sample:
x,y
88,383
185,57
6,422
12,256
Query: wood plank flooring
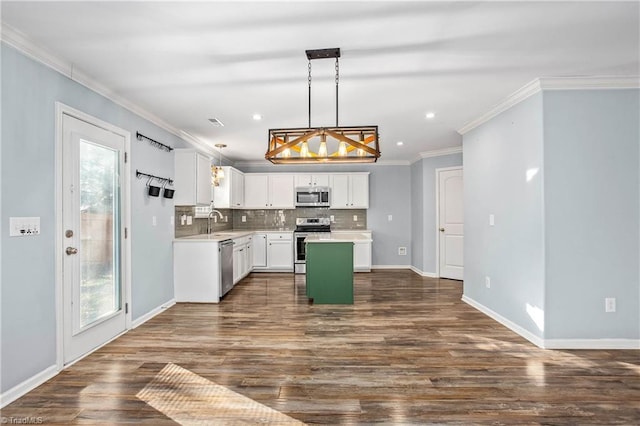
x,y
407,352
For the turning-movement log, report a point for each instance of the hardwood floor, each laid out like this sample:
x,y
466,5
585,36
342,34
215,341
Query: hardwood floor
x,y
407,352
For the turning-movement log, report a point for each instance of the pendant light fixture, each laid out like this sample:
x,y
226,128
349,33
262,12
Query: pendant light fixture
x,y
312,145
217,172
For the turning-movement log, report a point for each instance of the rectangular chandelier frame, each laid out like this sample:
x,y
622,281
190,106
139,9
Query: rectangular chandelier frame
x,y
358,144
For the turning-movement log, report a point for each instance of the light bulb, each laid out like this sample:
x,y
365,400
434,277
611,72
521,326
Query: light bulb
x,y
286,153
342,149
220,173
361,152
304,149
322,151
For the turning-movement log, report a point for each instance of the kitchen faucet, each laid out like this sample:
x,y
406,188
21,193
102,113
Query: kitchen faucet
x,y
209,219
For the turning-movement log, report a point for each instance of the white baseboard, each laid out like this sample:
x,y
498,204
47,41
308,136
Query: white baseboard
x,y
390,266
423,273
555,343
592,344
152,313
31,383
538,341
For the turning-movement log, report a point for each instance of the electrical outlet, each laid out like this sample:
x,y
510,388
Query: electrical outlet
x,y
226,219
244,218
487,282
189,220
154,221
492,220
183,219
610,304
171,221
402,251
355,217
390,218
24,226
332,218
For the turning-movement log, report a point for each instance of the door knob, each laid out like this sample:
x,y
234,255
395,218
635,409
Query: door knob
x,y
71,250
441,229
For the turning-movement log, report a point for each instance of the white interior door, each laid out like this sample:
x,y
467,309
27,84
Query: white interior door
x,y
92,216
451,223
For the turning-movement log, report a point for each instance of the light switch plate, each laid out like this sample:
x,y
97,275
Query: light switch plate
x,y
390,217
189,220
492,220
355,217
244,218
24,226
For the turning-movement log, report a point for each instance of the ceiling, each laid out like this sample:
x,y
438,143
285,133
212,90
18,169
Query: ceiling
x,y
186,62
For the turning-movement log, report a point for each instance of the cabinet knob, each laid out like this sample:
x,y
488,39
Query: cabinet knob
x,y
441,229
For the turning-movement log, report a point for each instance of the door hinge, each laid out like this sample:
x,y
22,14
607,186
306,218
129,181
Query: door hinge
x,y
126,157
126,308
126,233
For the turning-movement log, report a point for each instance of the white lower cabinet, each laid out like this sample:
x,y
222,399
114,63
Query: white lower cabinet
x,y
280,251
259,246
361,250
196,271
242,258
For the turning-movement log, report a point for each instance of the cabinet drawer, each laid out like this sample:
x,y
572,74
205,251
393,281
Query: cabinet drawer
x,y
280,236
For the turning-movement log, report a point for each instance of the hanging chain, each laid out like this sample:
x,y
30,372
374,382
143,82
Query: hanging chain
x,y
309,79
337,81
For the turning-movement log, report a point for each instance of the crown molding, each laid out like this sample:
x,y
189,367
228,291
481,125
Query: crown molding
x,y
553,83
23,44
438,153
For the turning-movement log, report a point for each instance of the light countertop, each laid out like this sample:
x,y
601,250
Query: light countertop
x,y
225,235
339,237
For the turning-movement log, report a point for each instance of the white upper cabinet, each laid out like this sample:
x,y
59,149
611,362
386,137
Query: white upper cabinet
x,y
268,191
312,180
230,193
192,181
350,191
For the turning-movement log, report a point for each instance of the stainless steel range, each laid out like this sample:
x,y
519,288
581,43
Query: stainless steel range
x,y
306,226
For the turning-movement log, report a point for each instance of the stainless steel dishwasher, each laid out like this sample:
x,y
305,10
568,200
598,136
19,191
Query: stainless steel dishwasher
x,y
226,266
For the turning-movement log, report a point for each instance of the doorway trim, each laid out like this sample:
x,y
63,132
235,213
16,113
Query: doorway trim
x,y
61,110
437,224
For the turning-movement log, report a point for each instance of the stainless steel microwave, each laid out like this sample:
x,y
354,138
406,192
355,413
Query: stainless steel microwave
x,y
313,196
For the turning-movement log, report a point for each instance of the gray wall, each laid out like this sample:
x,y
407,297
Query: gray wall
x,y
591,213
497,156
568,236
29,91
389,194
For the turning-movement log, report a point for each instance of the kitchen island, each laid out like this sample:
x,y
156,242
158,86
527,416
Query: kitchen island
x,y
329,268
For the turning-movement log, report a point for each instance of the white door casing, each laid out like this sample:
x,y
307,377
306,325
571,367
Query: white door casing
x,y
450,223
96,231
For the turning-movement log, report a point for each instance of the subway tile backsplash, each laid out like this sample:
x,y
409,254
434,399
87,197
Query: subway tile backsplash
x,y
286,218
267,219
199,225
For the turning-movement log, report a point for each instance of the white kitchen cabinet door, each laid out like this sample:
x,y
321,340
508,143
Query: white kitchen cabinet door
x,y
192,181
281,191
362,256
280,251
350,191
340,192
237,189
229,194
256,191
259,245
359,191
311,180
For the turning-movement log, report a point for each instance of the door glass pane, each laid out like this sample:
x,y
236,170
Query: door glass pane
x,y
99,231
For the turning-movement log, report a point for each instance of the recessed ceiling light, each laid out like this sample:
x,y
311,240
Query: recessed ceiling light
x,y
216,122
430,115
399,143
257,117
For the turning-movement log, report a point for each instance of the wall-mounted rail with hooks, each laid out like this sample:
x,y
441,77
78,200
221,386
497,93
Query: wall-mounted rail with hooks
x,y
154,142
160,179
